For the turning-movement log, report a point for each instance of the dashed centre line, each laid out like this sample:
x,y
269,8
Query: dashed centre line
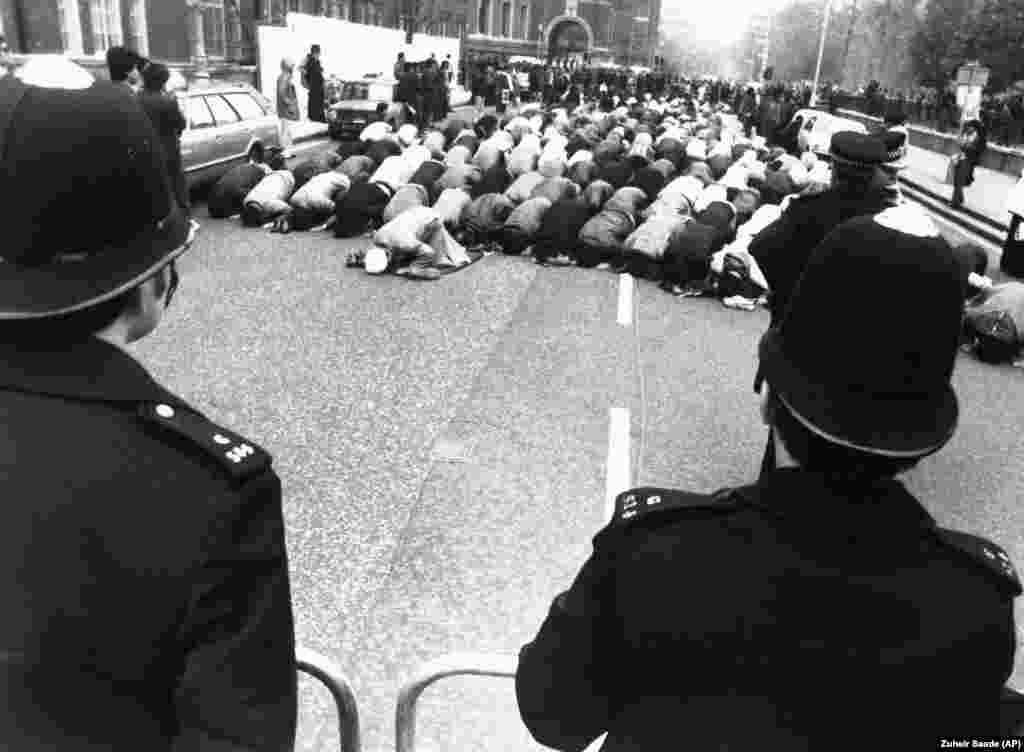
x,y
626,284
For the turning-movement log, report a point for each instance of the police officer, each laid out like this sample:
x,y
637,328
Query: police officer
x,y
861,185
821,608
143,571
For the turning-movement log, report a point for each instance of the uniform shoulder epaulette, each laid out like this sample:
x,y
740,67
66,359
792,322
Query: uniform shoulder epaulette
x,y
642,503
985,553
810,199
238,457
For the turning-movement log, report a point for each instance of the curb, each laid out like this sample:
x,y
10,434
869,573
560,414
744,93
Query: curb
x,y
969,221
977,216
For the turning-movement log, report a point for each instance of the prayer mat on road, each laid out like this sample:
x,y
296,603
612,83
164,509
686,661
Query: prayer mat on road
x,y
473,255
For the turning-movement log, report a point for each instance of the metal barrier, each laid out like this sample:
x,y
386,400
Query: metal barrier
x,y
327,673
455,664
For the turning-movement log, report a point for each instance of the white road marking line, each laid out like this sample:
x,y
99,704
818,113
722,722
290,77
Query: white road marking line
x,y
626,299
597,743
617,476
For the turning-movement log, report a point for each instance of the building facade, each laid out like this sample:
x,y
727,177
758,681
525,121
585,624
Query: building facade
x,y
218,37
215,37
620,31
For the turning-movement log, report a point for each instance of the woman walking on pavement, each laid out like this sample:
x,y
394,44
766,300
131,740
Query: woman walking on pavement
x,y
973,140
287,105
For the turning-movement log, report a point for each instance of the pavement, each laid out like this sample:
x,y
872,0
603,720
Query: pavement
x,y
443,446
308,130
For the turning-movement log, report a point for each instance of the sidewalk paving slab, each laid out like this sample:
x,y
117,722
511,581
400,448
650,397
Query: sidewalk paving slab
x,y
927,169
307,130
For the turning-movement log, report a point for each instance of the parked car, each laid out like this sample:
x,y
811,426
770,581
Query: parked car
x,y
817,128
358,106
226,124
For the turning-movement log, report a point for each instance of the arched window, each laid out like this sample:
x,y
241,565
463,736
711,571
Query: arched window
x,y
105,20
506,19
524,30
481,18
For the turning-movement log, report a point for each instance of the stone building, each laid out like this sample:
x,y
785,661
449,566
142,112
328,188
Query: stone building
x,y
218,37
621,31
214,36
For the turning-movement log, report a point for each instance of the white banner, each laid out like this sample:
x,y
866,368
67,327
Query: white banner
x,y
347,50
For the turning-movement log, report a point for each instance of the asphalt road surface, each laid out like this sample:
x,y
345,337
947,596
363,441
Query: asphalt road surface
x,y
444,446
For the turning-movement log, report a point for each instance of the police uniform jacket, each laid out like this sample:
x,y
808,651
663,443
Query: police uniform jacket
x,y
143,571
783,248
796,614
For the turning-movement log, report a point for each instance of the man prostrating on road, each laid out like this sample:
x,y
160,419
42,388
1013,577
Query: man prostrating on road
x,y
821,608
143,572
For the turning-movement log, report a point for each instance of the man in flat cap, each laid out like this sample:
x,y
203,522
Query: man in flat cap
x,y
822,607
145,587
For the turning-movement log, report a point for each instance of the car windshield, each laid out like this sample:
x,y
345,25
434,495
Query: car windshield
x,y
355,90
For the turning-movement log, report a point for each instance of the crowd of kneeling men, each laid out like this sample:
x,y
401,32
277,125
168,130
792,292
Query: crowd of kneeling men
x,y
671,191
664,190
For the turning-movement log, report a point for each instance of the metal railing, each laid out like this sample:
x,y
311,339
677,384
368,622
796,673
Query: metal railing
x,y
327,673
491,665
455,664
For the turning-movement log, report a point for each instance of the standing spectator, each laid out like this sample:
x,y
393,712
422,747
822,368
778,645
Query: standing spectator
x,y
287,105
406,95
748,109
973,141
145,587
169,122
125,66
313,81
420,96
505,90
399,67
476,87
770,115
536,83
434,91
446,82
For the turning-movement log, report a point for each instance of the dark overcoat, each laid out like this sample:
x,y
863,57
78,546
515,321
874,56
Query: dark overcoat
x,y
143,570
797,614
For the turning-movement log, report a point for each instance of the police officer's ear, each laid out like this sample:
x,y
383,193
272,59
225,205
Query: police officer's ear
x,y
768,405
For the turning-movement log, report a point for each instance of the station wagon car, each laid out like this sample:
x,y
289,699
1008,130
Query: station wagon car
x,y
226,124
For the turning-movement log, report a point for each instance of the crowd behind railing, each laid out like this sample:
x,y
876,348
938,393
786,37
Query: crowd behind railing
x,y
1002,113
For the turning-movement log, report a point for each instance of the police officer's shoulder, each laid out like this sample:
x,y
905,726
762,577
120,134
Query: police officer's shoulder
x,y
236,457
812,202
639,506
985,554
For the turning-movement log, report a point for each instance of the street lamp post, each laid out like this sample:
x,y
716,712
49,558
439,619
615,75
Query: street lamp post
x,y
821,52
